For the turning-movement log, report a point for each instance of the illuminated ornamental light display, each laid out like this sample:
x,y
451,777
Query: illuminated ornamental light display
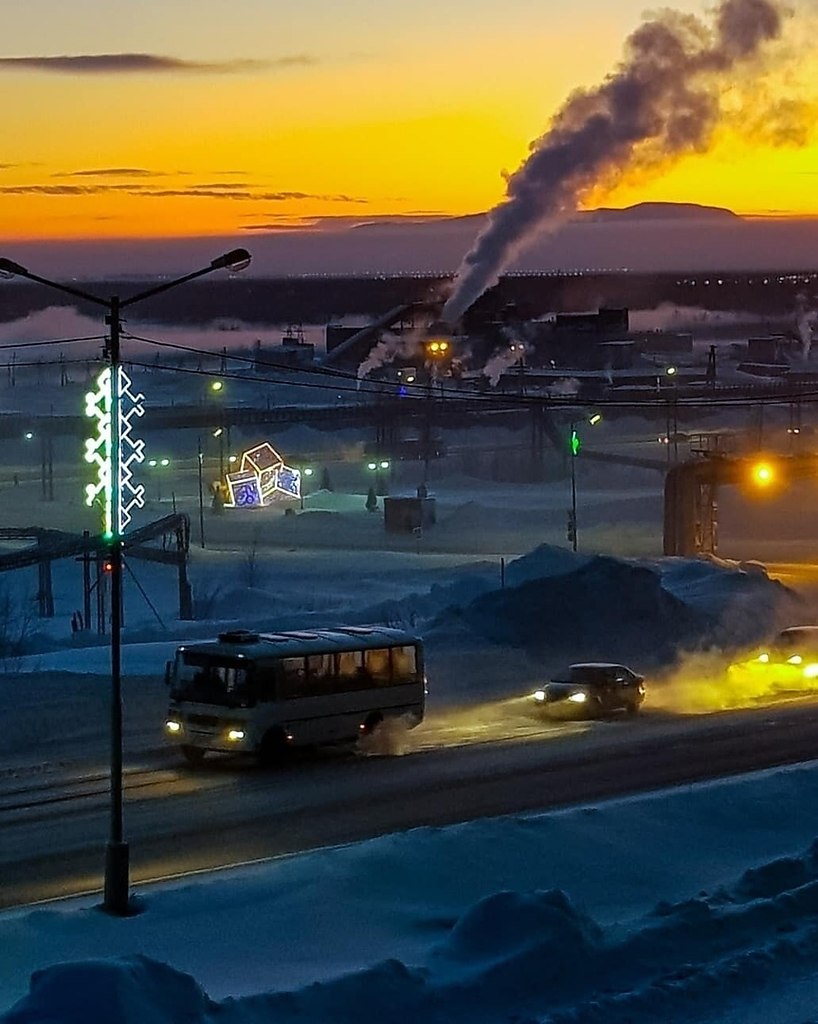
x,y
98,451
261,479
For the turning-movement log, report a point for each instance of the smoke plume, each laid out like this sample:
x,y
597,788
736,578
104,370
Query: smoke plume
x,y
663,100
806,319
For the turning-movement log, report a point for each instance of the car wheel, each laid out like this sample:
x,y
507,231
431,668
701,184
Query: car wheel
x,y
193,755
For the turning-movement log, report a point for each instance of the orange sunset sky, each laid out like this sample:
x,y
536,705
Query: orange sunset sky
x,y
171,118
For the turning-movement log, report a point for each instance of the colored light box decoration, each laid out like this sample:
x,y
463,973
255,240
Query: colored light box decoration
x,y
261,479
98,451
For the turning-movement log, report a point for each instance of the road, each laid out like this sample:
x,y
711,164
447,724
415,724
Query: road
x,y
53,824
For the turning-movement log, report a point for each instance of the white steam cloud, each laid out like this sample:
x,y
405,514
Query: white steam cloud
x,y
663,100
806,319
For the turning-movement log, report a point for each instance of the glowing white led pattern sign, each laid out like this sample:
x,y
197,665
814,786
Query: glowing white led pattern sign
x,y
262,479
99,453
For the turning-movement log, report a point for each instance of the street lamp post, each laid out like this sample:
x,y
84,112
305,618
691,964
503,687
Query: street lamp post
x,y
199,464
574,446
117,868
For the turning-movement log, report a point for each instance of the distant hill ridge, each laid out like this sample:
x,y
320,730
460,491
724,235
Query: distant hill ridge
x,y
661,211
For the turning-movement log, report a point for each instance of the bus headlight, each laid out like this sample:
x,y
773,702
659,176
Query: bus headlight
x,y
236,735
539,695
172,726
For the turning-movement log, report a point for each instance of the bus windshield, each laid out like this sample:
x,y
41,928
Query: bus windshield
x,y
212,680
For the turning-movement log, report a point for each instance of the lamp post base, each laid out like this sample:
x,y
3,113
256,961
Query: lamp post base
x,y
117,862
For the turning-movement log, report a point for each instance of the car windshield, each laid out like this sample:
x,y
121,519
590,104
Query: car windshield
x,y
211,679
797,641
588,675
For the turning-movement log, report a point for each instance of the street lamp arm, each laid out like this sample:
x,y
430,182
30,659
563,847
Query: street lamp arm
x,y
235,260
8,268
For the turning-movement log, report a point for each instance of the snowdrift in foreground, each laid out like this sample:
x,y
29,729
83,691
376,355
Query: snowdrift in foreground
x,y
513,955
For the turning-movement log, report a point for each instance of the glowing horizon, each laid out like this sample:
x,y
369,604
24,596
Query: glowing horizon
x,y
164,126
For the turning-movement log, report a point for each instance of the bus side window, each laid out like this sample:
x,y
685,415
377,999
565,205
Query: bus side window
x,y
321,674
265,680
377,665
293,677
404,665
351,674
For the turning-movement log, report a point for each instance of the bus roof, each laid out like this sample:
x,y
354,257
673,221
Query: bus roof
x,y
301,642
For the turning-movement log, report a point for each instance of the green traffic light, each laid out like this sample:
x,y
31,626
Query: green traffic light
x,y
576,444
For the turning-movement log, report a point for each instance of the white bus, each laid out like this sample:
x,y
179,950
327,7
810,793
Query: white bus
x,y
263,693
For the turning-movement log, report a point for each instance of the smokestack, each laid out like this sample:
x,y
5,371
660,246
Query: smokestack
x,y
662,101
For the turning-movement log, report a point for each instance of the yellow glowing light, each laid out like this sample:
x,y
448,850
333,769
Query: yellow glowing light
x,y
811,671
236,735
763,474
172,726
539,695
796,659
764,658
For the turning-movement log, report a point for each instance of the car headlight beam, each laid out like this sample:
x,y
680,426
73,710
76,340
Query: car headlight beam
x,y
172,726
579,697
539,695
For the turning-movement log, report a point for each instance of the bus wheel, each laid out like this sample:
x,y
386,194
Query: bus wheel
x,y
193,755
372,722
274,748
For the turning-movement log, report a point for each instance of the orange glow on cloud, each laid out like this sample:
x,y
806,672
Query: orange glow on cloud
x,y
385,131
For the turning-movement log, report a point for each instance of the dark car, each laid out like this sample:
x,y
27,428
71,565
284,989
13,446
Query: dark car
x,y
592,690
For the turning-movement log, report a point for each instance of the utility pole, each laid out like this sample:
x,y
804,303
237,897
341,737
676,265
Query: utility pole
x,y
117,855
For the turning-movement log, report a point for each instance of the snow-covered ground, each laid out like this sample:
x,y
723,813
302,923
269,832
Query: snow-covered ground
x,y
693,904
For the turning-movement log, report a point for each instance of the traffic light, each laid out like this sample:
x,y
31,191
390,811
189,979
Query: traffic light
x,y
107,565
576,444
571,532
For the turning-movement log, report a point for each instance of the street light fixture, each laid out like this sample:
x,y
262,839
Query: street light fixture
x,y
379,467
574,446
116,898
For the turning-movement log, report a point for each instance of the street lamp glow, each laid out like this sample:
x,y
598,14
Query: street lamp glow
x,y
385,464
29,435
372,465
308,471
763,474
596,418
217,385
671,371
164,462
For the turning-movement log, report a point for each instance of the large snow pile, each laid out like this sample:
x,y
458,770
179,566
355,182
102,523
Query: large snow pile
x,y
616,609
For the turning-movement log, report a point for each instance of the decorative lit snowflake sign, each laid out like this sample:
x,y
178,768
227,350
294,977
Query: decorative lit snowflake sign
x,y
98,451
261,479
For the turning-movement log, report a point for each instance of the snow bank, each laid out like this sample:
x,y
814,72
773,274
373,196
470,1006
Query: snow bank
x,y
512,955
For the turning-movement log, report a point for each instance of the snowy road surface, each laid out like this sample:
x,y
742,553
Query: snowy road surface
x,y
180,820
